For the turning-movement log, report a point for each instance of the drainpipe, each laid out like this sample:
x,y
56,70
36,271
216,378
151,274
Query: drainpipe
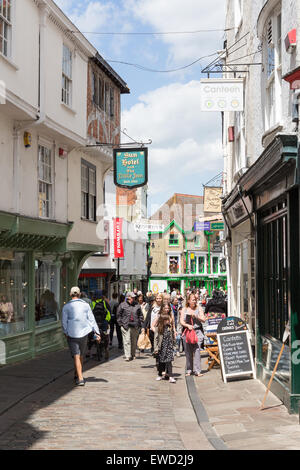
x,y
42,62
16,170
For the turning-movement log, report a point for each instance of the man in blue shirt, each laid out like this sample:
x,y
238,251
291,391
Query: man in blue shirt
x,y
77,322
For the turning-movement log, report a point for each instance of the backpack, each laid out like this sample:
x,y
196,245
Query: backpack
x,y
100,315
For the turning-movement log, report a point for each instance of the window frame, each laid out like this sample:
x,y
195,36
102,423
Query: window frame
x,y
46,182
112,102
98,83
67,80
6,21
272,52
173,255
86,196
173,240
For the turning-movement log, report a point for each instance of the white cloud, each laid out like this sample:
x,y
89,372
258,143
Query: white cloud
x,y
95,15
188,15
186,142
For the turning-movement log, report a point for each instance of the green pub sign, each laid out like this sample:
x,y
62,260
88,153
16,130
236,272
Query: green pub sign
x,y
131,167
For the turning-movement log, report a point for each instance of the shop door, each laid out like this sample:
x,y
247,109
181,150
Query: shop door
x,y
174,285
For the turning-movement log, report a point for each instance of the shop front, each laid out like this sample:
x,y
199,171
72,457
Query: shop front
x,y
33,286
240,236
272,183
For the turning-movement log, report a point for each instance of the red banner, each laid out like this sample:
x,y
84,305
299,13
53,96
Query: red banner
x,y
118,242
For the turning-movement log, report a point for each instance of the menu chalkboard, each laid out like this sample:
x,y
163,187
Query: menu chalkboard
x,y
235,348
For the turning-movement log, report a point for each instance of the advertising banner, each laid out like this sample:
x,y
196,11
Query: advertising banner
x,y
201,226
158,286
118,242
221,94
131,167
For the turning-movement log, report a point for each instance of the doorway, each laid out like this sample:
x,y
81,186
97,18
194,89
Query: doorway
x,y
174,285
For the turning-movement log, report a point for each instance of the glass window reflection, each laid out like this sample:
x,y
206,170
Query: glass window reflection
x,y
47,290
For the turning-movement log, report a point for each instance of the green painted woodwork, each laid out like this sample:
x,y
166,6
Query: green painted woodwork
x,y
24,233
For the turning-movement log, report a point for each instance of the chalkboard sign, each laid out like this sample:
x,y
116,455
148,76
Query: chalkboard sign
x,y
235,348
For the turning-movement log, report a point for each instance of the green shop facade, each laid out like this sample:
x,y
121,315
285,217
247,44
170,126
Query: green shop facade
x,y
37,269
272,184
189,265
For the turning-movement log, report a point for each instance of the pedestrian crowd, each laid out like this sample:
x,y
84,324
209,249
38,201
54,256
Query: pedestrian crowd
x,y
165,323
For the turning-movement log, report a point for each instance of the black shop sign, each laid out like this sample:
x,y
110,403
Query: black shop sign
x,y
235,348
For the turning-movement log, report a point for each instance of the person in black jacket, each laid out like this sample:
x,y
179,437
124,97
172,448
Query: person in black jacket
x,y
130,318
217,304
114,304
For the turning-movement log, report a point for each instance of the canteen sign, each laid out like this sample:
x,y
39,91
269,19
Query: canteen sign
x,y
131,167
221,94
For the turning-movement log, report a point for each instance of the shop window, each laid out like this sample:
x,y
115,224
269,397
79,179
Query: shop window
x,y
215,265
201,264
67,76
245,303
193,264
173,239
45,181
273,272
89,285
223,268
47,290
88,191
13,293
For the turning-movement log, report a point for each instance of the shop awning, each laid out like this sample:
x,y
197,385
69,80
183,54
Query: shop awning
x,y
24,233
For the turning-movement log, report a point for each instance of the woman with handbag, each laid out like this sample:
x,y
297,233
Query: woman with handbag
x,y
191,318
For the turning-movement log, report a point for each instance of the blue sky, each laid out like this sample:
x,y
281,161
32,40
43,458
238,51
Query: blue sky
x,y
186,149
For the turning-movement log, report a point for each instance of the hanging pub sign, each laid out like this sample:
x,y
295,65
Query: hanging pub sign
x,y
212,199
222,94
131,167
235,348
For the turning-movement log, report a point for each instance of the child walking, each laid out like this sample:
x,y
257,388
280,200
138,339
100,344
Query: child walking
x,y
164,344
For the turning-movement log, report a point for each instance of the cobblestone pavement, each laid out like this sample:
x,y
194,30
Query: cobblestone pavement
x,y
234,414
121,407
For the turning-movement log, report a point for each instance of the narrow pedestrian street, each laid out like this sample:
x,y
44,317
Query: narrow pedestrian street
x,y
121,407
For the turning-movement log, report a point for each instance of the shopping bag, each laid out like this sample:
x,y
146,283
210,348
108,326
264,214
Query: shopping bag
x,y
143,341
190,336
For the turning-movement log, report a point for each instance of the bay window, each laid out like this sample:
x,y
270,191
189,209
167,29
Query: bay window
x,y
13,293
